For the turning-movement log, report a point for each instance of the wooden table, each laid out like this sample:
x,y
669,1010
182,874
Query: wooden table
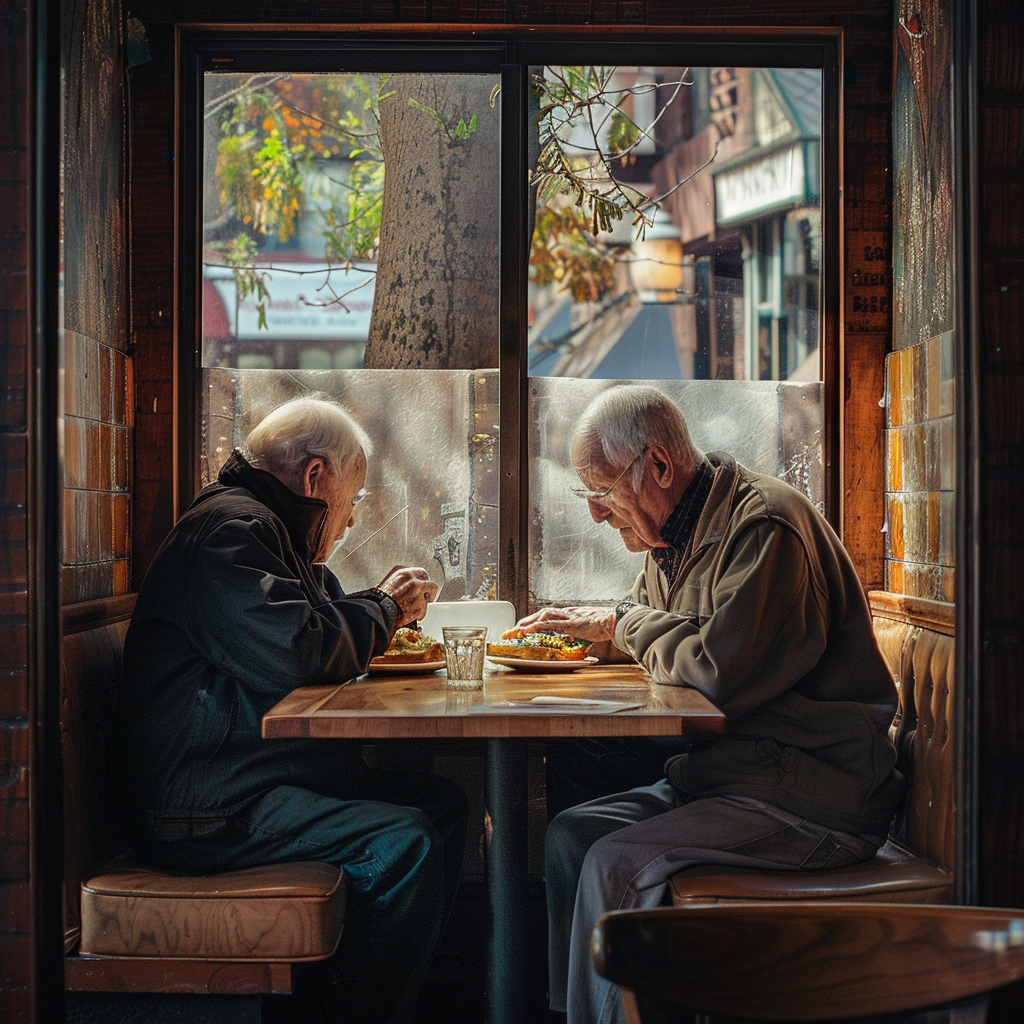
x,y
422,707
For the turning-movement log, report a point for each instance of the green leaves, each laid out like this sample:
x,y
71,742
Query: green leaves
x,y
584,123
282,151
623,134
308,145
457,130
241,252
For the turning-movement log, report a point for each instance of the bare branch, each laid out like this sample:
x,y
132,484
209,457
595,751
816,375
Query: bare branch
x,y
222,101
711,159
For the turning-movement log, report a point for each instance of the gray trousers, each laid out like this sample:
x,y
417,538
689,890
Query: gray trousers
x,y
618,852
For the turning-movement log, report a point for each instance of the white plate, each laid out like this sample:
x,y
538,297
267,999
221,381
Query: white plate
x,y
416,668
529,665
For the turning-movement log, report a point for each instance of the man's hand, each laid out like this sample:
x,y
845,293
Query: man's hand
x,y
585,622
411,589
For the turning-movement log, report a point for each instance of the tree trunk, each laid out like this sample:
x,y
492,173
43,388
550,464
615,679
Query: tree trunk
x,y
436,296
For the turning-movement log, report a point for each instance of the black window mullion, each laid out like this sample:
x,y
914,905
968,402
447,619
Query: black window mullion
x,y
513,457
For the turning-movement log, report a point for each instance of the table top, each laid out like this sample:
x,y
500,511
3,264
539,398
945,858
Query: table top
x,y
423,706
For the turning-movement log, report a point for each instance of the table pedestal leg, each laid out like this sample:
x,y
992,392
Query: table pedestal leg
x,y
507,880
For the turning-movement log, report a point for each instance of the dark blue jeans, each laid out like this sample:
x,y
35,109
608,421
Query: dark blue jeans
x,y
401,845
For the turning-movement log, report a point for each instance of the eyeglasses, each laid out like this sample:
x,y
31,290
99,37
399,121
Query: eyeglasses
x,y
359,495
584,492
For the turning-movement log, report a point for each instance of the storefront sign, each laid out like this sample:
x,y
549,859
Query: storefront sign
x,y
779,179
305,302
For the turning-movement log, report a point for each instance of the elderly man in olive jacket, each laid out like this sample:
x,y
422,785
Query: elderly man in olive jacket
x,y
237,609
748,596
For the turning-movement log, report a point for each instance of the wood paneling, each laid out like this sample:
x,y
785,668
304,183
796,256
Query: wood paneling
x,y
999,427
94,974
863,477
17,891
152,323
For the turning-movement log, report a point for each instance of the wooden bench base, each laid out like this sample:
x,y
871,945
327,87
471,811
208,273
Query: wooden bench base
x,y
187,977
147,1008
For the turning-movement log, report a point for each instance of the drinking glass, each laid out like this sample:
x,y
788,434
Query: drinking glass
x,y
464,649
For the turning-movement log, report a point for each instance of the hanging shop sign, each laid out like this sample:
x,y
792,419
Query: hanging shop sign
x,y
767,183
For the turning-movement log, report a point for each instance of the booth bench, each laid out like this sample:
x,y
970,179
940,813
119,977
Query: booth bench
x,y
153,945
916,863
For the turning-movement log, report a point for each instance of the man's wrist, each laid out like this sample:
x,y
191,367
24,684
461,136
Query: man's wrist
x,y
387,603
622,608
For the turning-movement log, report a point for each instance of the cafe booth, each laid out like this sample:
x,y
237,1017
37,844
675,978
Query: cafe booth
x,y
464,222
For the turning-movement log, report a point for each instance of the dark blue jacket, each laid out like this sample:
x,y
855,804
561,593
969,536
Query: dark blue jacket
x,y
232,616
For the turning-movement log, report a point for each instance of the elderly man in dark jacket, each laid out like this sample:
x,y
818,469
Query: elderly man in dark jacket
x,y
237,609
748,596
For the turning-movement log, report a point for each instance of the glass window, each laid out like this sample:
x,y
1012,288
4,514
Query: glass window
x,y
350,231
700,277
360,212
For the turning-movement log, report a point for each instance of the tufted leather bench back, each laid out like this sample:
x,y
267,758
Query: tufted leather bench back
x,y
922,663
90,668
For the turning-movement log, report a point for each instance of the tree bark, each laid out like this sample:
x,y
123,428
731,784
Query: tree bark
x,y
436,296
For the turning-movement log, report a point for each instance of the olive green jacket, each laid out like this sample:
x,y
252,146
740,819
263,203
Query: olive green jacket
x,y
767,618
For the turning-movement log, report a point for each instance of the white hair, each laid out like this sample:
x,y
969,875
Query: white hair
x,y
624,421
308,427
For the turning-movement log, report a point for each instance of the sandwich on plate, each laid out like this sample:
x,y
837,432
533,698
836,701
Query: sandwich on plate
x,y
409,647
517,643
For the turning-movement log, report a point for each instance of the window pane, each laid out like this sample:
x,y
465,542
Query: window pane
x,y
432,477
700,259
769,427
701,272
350,248
350,220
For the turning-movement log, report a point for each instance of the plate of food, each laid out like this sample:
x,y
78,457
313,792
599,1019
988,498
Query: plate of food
x,y
409,651
540,652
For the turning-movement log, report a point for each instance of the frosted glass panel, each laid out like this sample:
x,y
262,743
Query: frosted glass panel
x,y
770,427
433,475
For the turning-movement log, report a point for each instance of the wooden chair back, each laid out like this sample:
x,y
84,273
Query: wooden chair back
x,y
809,960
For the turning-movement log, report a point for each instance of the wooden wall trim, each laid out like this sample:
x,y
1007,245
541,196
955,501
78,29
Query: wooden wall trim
x,y
937,616
86,615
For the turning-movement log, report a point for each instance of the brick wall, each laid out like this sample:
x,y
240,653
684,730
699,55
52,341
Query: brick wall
x,y
15,895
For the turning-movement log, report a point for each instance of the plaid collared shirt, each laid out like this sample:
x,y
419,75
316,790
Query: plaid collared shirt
x,y
683,520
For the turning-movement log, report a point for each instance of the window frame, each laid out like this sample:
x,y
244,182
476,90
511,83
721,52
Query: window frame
x,y
510,53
